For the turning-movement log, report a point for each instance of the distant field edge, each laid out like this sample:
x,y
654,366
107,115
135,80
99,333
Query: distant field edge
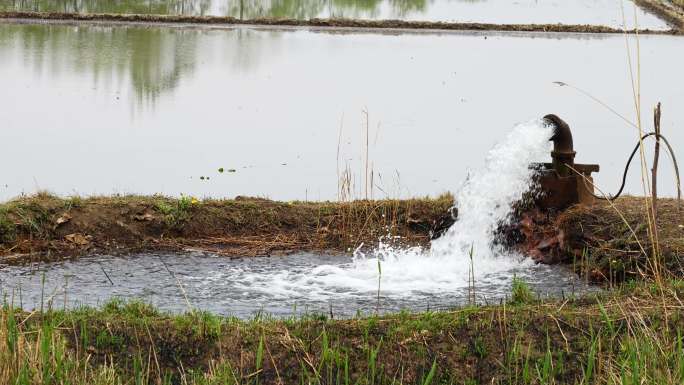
x,y
673,17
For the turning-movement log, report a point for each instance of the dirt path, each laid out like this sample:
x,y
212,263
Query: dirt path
x,y
327,23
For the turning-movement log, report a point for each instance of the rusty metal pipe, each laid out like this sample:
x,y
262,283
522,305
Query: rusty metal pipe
x,y
562,136
563,153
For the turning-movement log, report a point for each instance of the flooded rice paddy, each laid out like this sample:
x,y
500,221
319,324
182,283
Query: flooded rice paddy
x,y
279,286
98,109
593,12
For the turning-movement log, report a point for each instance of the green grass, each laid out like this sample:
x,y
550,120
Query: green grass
x,y
7,228
176,212
521,293
30,216
626,336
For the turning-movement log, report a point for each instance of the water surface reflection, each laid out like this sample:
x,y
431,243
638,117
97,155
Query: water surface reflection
x,y
151,60
102,110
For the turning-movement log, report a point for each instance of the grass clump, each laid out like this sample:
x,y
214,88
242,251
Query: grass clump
x,y
131,309
177,212
521,293
7,228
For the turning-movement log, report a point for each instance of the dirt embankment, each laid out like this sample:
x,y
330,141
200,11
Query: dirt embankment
x,y
322,23
44,227
606,242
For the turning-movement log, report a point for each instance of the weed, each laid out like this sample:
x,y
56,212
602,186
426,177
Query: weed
x,y
479,347
177,213
521,292
7,228
73,202
431,374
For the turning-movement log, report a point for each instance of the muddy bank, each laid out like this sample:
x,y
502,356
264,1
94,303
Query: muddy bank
x,y
605,242
321,23
595,240
45,227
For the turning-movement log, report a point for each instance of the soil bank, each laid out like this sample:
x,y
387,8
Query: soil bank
x,y
606,241
673,19
670,11
44,227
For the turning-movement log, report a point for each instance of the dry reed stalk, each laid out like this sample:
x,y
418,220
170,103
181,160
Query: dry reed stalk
x,y
645,183
339,143
654,172
367,150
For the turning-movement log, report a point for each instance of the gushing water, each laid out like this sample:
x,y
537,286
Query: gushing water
x,y
484,201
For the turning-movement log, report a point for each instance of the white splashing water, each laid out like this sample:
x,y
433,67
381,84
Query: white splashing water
x,y
485,199
483,202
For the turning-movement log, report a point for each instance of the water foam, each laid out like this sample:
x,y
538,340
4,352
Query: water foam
x,y
483,202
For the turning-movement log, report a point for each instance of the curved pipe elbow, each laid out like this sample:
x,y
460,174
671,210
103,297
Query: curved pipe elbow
x,y
562,136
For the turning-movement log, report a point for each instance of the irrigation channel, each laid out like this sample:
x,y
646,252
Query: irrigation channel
x,y
463,265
